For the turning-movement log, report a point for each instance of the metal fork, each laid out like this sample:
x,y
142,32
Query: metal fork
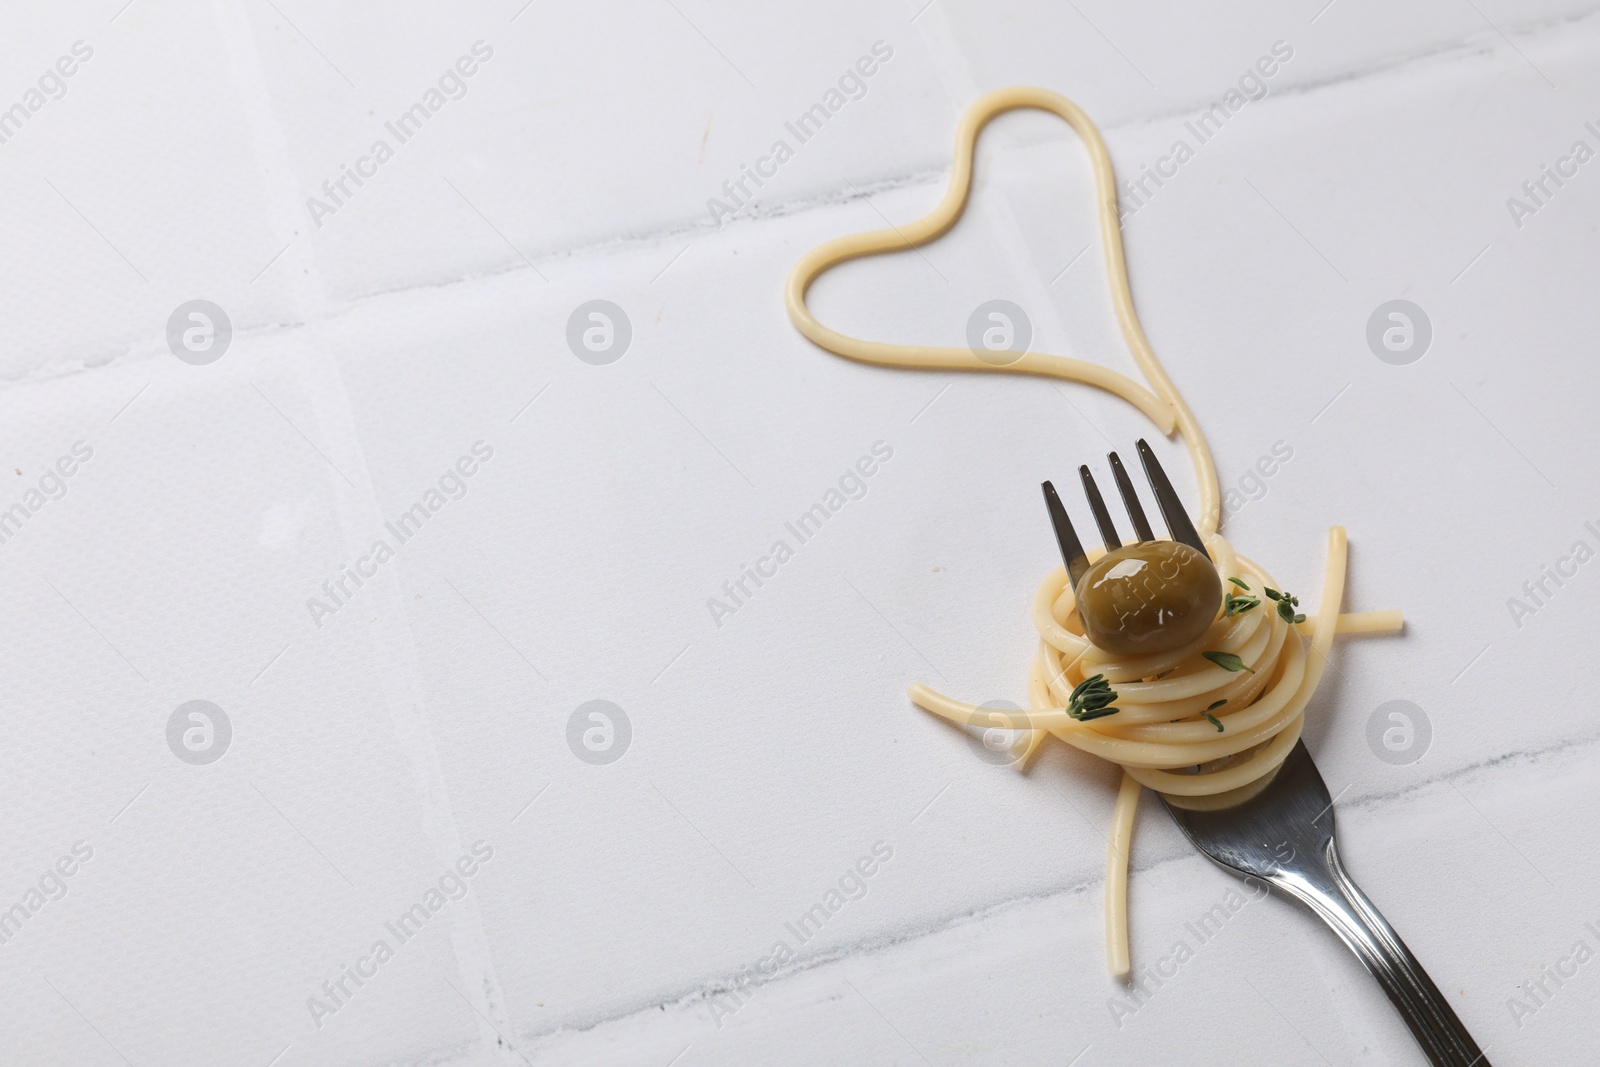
x,y
1172,512
1281,831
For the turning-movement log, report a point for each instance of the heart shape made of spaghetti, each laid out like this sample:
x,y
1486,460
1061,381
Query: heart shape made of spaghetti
x,y
1161,402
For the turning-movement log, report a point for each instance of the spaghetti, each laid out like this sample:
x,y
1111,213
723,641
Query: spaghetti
x,y
1190,725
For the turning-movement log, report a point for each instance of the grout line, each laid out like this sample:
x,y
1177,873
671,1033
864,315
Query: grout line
x,y
909,932
1465,48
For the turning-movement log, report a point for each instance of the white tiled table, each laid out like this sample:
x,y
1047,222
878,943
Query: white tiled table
x,y
623,907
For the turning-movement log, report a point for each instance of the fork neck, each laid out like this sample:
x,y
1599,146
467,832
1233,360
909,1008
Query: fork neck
x,y
1322,884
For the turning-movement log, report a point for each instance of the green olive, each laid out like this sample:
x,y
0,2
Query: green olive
x,y
1151,597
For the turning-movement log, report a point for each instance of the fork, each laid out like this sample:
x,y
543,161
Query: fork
x,y
1280,831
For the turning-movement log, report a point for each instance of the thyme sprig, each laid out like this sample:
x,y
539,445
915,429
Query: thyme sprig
x,y
1238,605
1286,606
1091,699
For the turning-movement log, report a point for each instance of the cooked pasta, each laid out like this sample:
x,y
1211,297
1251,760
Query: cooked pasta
x,y
1190,725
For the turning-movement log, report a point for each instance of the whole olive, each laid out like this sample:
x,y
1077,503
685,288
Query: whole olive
x,y
1150,597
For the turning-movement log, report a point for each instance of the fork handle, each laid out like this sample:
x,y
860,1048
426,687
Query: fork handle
x,y
1342,905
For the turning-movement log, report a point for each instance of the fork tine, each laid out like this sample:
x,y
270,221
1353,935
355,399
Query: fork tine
x,y
1179,525
1072,553
1102,517
1130,500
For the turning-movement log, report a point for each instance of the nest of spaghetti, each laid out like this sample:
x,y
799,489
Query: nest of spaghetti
x,y
1209,717
1205,720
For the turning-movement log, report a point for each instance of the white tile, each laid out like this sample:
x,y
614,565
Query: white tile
x,y
378,738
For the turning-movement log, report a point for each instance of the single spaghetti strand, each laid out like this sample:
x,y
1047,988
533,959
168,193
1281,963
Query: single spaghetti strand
x,y
1117,958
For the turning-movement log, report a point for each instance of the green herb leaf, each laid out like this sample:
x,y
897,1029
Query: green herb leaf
x,y
1240,582
1238,605
1217,705
1287,612
1286,605
1214,721
1091,699
1228,661
1272,594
